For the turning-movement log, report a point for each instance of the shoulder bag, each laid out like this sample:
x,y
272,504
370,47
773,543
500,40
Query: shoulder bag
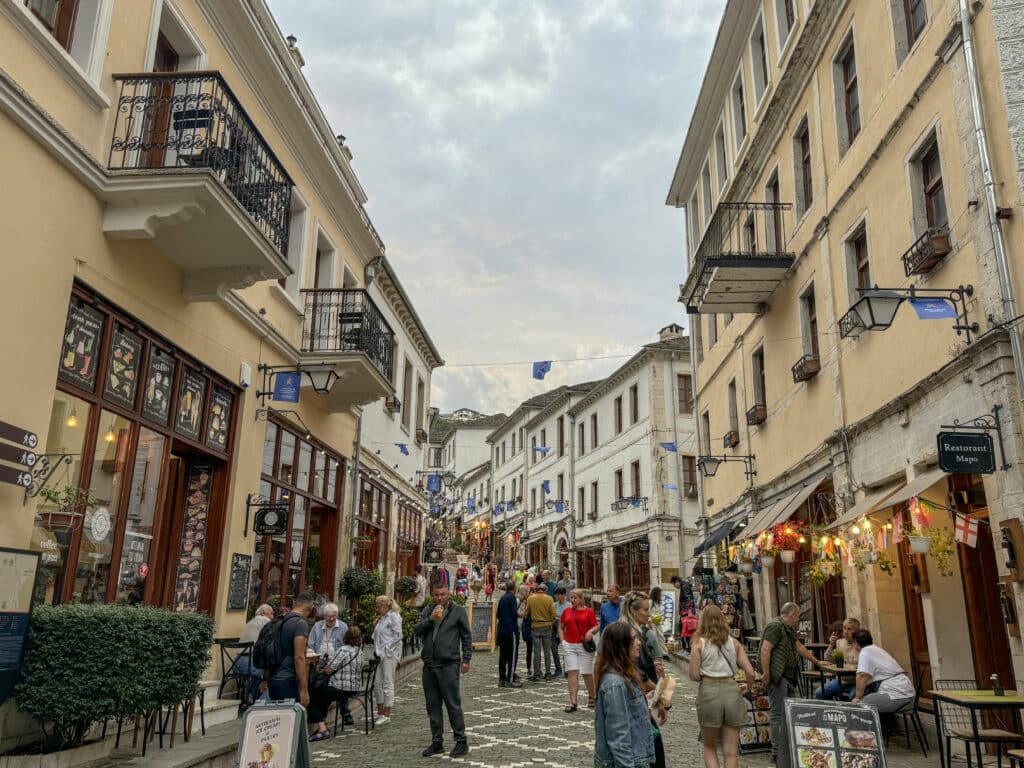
x,y
588,645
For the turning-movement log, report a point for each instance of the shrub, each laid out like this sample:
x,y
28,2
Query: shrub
x,y
87,663
356,582
406,587
366,615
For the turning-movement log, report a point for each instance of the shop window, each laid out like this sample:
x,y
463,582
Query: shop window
x,y
140,517
684,387
632,565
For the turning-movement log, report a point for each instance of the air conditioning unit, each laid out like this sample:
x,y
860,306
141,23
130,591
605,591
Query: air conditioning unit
x,y
393,404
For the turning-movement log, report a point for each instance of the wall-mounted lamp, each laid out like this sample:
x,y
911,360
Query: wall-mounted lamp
x,y
708,465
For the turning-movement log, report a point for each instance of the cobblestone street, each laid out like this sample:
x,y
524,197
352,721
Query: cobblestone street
x,y
513,728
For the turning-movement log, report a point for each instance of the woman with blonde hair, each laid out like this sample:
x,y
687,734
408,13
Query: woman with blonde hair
x,y
387,644
721,710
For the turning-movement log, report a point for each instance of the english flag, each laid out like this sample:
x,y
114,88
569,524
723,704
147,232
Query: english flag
x,y
967,530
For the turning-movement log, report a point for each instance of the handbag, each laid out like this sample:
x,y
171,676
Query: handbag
x,y
588,645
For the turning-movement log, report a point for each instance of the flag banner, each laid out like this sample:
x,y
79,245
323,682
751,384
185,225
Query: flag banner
x,y
546,485
897,529
541,368
510,506
966,530
635,502
287,385
403,448
499,509
670,447
933,309
433,483
470,504
541,448
560,507
670,487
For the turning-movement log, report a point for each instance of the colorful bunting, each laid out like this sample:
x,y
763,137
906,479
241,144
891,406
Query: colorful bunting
x,y
541,368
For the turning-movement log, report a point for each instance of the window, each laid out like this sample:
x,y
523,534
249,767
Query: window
x,y
726,319
712,330
420,402
513,496
739,111
773,226
802,171
617,409
581,506
785,19
934,196
693,222
634,404
809,317
750,235
620,491
634,476
533,449
593,500
502,451
560,486
582,440
759,61
58,16
909,18
721,161
544,442
847,94
858,264
684,391
689,476
696,333
734,419
705,185
561,436
297,225
757,368
533,501
513,443
406,394
593,430
705,436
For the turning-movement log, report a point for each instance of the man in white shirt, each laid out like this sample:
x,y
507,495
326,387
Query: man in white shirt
x,y
250,633
876,665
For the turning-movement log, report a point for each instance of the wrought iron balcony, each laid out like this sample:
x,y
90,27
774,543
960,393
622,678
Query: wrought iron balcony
x,y
806,368
345,321
182,120
731,439
927,251
757,415
740,261
690,490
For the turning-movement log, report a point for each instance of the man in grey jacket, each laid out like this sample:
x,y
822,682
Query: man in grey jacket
x,y
444,629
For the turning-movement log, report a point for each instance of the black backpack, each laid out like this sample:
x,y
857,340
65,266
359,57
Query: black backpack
x,y
266,652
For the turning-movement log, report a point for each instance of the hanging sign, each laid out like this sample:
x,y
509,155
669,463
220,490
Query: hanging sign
x,y
15,476
967,452
18,455
287,385
18,435
271,520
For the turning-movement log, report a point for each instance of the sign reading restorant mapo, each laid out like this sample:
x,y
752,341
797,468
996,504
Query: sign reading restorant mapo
x,y
968,452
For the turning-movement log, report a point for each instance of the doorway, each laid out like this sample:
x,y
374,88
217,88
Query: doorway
x,y
159,114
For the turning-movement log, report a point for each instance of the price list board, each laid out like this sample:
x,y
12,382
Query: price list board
x,y
832,735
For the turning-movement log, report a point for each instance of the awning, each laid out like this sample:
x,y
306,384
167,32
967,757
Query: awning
x,y
917,486
718,533
865,506
768,513
782,509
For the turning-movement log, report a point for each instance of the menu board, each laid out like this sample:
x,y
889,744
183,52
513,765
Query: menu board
x,y
833,735
189,416
238,587
198,483
219,421
17,580
156,401
756,735
122,381
80,348
481,624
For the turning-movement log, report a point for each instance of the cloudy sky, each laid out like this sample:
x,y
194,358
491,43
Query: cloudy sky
x,y
517,156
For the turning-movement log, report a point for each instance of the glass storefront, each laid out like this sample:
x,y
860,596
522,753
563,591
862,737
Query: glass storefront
x,y
410,527
374,518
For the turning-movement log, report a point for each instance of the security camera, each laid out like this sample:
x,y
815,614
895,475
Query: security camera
x,y
244,375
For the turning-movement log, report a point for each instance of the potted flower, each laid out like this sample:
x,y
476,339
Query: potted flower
x,y
786,539
767,560
887,563
919,540
824,569
746,566
838,658
943,546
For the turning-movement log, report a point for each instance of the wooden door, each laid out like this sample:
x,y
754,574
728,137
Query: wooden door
x,y
158,116
914,577
165,560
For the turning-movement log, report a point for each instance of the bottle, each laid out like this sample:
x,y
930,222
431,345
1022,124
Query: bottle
x,y
997,689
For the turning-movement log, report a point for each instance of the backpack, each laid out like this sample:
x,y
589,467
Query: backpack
x,y
266,652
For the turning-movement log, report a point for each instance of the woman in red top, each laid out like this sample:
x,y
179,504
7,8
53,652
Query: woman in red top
x,y
578,623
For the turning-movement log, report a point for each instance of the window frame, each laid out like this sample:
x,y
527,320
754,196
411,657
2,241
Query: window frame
x,y
593,430
684,392
617,412
634,404
804,166
758,376
933,187
809,321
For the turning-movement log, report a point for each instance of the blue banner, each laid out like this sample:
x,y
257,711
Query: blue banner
x,y
541,368
433,483
670,447
286,386
933,309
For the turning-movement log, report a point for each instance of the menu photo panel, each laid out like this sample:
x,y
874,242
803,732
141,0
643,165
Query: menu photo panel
x,y
80,347
156,397
121,382
189,414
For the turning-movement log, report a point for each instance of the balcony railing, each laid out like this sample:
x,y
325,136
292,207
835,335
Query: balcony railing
x,y
850,325
690,490
805,368
927,251
347,320
757,415
731,439
182,120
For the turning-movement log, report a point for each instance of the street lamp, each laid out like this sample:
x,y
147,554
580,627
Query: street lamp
x,y
876,309
321,378
708,465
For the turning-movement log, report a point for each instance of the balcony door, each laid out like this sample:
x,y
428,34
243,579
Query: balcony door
x,y
158,116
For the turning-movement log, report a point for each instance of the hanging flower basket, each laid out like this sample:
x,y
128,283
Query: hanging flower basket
x,y
787,555
767,561
920,545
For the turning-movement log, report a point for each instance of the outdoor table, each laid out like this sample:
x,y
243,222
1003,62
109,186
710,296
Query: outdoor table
x,y
975,701
834,671
818,649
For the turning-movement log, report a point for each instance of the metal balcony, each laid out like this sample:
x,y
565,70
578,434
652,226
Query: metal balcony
x,y
806,368
192,173
740,261
731,439
927,251
757,415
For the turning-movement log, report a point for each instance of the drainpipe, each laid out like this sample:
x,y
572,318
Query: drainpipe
x,y
674,416
700,447
355,486
1002,263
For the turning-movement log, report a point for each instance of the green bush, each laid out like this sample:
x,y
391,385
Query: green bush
x,y
366,615
87,663
356,582
406,587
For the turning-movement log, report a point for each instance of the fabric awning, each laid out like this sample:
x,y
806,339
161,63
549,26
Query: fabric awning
x,y
718,533
865,506
758,524
917,486
781,510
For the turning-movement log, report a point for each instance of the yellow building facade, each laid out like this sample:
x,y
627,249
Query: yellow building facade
x,y
832,150
184,232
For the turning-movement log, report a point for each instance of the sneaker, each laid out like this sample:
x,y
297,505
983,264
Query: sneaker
x,y
381,719
435,748
514,684
461,749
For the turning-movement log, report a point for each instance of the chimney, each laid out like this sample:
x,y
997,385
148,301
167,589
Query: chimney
x,y
672,331
293,49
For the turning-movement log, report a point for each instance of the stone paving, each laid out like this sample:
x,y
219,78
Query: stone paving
x,y
516,728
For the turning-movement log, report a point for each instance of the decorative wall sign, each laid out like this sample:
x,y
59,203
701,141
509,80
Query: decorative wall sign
x,y
238,586
18,435
122,380
80,349
219,421
189,418
966,452
271,520
198,485
156,402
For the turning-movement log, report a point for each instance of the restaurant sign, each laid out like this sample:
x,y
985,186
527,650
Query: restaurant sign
x,y
966,452
833,735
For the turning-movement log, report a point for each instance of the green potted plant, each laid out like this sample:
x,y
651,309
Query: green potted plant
x,y
838,658
886,562
943,547
71,504
405,588
824,569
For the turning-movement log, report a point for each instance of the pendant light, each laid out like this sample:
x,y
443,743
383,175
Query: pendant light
x,y
72,421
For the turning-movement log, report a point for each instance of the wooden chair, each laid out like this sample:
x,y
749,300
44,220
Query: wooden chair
x,y
956,724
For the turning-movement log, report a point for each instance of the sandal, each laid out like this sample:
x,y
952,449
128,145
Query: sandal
x,y
570,707
320,736
591,702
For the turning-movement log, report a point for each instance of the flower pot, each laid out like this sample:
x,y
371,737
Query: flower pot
x,y
869,557
787,555
920,544
746,567
767,561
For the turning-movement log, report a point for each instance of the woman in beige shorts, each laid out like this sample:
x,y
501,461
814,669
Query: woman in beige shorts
x,y
721,709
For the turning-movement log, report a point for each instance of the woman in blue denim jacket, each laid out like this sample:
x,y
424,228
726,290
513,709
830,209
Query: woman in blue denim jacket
x,y
621,721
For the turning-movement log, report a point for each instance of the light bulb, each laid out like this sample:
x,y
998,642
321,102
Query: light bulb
x,y
802,540
788,530
837,540
888,526
855,530
110,436
867,525
72,421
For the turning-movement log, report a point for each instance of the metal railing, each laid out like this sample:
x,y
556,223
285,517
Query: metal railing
x,y
757,415
805,368
180,120
927,251
347,320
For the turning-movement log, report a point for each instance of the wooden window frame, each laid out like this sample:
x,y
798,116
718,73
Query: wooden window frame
x,y
908,15
63,26
806,180
932,186
617,408
861,260
851,94
634,404
684,391
811,317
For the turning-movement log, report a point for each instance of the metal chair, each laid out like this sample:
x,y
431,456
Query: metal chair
x,y
911,715
234,658
365,696
956,724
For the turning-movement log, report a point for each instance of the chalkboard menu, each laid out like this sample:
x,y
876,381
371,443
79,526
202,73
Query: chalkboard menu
x,y
189,417
156,401
832,735
80,348
219,420
198,483
238,588
481,624
122,380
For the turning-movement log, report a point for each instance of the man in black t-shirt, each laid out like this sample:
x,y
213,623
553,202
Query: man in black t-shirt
x,y
290,679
